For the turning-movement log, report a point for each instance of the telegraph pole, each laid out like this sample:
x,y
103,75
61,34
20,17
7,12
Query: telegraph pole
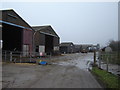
x,y
94,57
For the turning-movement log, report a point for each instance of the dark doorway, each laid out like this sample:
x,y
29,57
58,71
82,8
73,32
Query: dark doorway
x,y
64,49
48,44
37,49
12,38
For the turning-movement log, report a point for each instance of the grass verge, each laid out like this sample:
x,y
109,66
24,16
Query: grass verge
x,y
105,78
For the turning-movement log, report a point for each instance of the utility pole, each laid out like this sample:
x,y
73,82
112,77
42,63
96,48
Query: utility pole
x,y
94,57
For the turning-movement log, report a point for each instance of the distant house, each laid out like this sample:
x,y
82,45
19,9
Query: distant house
x,y
45,40
84,46
67,47
90,47
16,33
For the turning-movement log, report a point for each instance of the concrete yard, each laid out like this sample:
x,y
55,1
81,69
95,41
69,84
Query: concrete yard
x,y
67,71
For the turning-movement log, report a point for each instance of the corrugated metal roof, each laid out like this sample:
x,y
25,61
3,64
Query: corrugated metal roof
x,y
66,44
45,30
7,13
78,46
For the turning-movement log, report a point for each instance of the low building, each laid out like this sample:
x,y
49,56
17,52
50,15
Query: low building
x,y
67,47
77,48
17,34
45,40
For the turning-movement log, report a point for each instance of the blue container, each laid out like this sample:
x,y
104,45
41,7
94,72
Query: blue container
x,y
43,63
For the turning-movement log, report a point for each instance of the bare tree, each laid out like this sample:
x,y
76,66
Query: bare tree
x,y
115,45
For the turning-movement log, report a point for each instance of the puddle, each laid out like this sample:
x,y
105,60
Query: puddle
x,y
82,61
81,64
64,63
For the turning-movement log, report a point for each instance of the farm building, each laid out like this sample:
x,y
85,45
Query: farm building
x,y
45,40
77,48
17,34
67,47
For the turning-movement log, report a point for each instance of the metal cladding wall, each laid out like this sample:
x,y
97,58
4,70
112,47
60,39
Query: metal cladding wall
x,y
45,42
45,39
39,39
10,17
67,47
56,41
28,38
39,42
42,39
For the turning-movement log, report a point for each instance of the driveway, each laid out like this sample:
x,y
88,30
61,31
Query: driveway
x,y
66,71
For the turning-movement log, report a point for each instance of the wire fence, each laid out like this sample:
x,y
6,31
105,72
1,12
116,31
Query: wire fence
x,y
109,62
24,57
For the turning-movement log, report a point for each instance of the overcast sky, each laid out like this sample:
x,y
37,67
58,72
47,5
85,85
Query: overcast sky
x,y
77,22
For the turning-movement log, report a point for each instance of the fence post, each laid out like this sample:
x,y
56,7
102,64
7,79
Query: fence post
x,y
10,56
5,56
50,56
108,50
30,57
107,64
20,58
99,58
100,61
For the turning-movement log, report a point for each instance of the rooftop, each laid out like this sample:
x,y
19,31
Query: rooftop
x,y
46,29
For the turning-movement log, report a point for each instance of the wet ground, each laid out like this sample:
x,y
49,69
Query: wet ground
x,y
79,60
113,68
66,71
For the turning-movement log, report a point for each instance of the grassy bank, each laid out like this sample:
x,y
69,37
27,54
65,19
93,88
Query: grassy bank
x,y
107,79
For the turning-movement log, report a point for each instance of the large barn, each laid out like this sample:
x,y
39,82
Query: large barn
x,y
45,40
17,35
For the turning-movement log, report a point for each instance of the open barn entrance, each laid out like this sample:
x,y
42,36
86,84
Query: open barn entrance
x,y
12,38
48,44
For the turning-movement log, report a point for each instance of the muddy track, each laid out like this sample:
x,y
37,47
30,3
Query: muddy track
x,y
68,71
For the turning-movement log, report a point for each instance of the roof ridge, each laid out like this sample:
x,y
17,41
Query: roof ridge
x,y
41,26
6,9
